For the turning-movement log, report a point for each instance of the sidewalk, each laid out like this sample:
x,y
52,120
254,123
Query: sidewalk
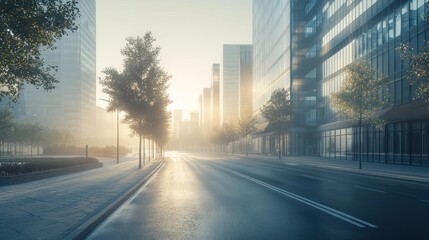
x,y
405,172
65,206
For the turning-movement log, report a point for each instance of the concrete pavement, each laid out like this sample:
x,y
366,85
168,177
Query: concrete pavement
x,y
65,207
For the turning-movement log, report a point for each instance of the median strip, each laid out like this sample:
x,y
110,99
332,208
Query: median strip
x,y
336,213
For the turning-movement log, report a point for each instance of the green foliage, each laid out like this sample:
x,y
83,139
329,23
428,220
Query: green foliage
x,y
417,66
19,166
362,95
26,27
247,126
107,151
6,123
141,89
279,109
32,134
228,133
247,123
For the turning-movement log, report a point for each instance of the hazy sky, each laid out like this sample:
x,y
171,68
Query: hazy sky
x,y
190,33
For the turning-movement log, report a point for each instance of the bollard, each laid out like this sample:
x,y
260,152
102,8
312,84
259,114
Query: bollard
x,y
86,151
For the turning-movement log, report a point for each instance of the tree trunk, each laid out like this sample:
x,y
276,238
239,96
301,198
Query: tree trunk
x,y
149,149
360,143
280,146
140,150
247,146
153,149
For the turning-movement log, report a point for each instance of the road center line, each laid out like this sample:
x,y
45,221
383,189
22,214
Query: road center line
x,y
336,213
370,189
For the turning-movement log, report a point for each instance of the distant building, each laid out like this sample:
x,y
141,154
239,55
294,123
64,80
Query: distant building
x,y
193,118
177,118
236,84
205,112
215,99
71,105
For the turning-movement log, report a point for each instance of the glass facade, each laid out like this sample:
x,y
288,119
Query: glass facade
x,y
215,91
71,105
328,35
236,84
271,24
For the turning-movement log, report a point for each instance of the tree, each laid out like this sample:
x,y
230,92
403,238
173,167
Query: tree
x,y
229,134
361,97
26,29
417,65
246,126
278,111
140,90
6,126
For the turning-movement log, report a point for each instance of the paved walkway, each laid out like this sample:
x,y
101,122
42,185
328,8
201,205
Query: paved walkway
x,y
54,208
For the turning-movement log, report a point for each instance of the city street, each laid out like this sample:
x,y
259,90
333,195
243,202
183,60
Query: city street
x,y
201,196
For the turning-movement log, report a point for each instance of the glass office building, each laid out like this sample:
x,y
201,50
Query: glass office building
x,y
71,105
236,84
214,96
328,35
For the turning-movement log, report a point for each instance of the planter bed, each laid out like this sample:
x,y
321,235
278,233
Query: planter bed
x,y
20,170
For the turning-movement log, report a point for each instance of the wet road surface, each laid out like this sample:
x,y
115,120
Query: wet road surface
x,y
201,196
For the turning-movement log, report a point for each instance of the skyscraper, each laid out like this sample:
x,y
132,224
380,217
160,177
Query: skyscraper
x,y
304,46
205,112
215,100
71,105
235,87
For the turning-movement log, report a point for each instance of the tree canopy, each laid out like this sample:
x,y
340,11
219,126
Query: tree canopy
x,y
246,126
6,123
278,111
417,66
362,94
140,90
361,97
26,29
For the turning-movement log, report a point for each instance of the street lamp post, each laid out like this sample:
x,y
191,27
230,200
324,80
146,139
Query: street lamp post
x,y
117,131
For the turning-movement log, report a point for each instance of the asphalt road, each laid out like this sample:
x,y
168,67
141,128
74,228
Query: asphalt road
x,y
197,196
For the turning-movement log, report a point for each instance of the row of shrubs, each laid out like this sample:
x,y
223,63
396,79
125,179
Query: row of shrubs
x,y
107,151
18,166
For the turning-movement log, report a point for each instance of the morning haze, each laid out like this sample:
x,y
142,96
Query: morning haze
x,y
214,119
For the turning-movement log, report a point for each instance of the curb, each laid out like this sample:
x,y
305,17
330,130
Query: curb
x,y
90,224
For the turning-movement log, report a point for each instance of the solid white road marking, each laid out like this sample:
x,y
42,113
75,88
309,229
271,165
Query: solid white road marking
x,y
336,213
292,164
370,189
